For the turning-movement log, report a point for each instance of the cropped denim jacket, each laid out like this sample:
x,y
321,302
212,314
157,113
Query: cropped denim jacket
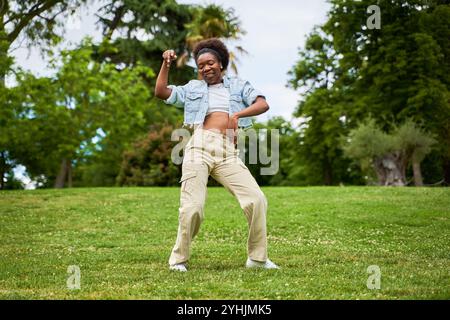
x,y
193,97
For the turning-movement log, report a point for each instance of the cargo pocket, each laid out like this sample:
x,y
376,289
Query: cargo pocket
x,y
187,181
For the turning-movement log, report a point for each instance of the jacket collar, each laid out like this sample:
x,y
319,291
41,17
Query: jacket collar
x,y
226,80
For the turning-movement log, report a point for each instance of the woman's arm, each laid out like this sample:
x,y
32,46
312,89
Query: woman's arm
x,y
259,106
161,90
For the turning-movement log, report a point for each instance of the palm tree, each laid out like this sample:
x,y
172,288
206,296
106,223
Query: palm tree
x,y
213,21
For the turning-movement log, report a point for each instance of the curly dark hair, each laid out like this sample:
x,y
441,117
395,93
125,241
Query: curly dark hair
x,y
216,45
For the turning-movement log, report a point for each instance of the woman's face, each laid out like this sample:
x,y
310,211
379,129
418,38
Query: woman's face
x,y
209,68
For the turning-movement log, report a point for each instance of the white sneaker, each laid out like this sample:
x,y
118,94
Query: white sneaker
x,y
181,267
256,264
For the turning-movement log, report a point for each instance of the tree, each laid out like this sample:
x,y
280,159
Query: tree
x,y
137,30
417,144
148,162
321,111
60,116
400,71
213,21
140,31
389,154
348,71
37,22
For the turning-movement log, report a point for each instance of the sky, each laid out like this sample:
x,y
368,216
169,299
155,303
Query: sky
x,y
275,31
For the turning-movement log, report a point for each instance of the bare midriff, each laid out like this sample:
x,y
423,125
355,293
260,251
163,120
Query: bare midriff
x,y
216,121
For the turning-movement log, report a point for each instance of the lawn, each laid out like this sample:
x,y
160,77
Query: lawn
x,y
324,239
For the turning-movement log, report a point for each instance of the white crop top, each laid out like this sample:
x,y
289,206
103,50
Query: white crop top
x,y
219,98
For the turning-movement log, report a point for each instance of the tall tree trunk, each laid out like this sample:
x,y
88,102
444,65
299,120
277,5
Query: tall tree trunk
x,y
446,169
389,170
418,181
5,62
3,164
327,174
69,174
61,178
2,169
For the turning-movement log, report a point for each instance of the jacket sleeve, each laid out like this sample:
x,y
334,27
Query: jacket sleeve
x,y
177,96
249,94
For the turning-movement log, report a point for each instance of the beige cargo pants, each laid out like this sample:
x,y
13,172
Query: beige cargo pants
x,y
213,153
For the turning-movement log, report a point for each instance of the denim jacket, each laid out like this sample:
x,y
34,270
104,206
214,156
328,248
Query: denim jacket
x,y
193,97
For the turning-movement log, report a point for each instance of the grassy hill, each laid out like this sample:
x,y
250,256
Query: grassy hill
x,y
324,239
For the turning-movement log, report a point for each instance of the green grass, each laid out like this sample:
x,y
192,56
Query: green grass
x,y
324,239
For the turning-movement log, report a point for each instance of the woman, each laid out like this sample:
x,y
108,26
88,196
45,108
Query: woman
x,y
214,106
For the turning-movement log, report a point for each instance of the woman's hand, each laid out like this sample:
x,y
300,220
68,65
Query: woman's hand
x,y
161,89
169,56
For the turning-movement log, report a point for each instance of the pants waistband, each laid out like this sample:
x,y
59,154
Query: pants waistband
x,y
211,132
215,135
